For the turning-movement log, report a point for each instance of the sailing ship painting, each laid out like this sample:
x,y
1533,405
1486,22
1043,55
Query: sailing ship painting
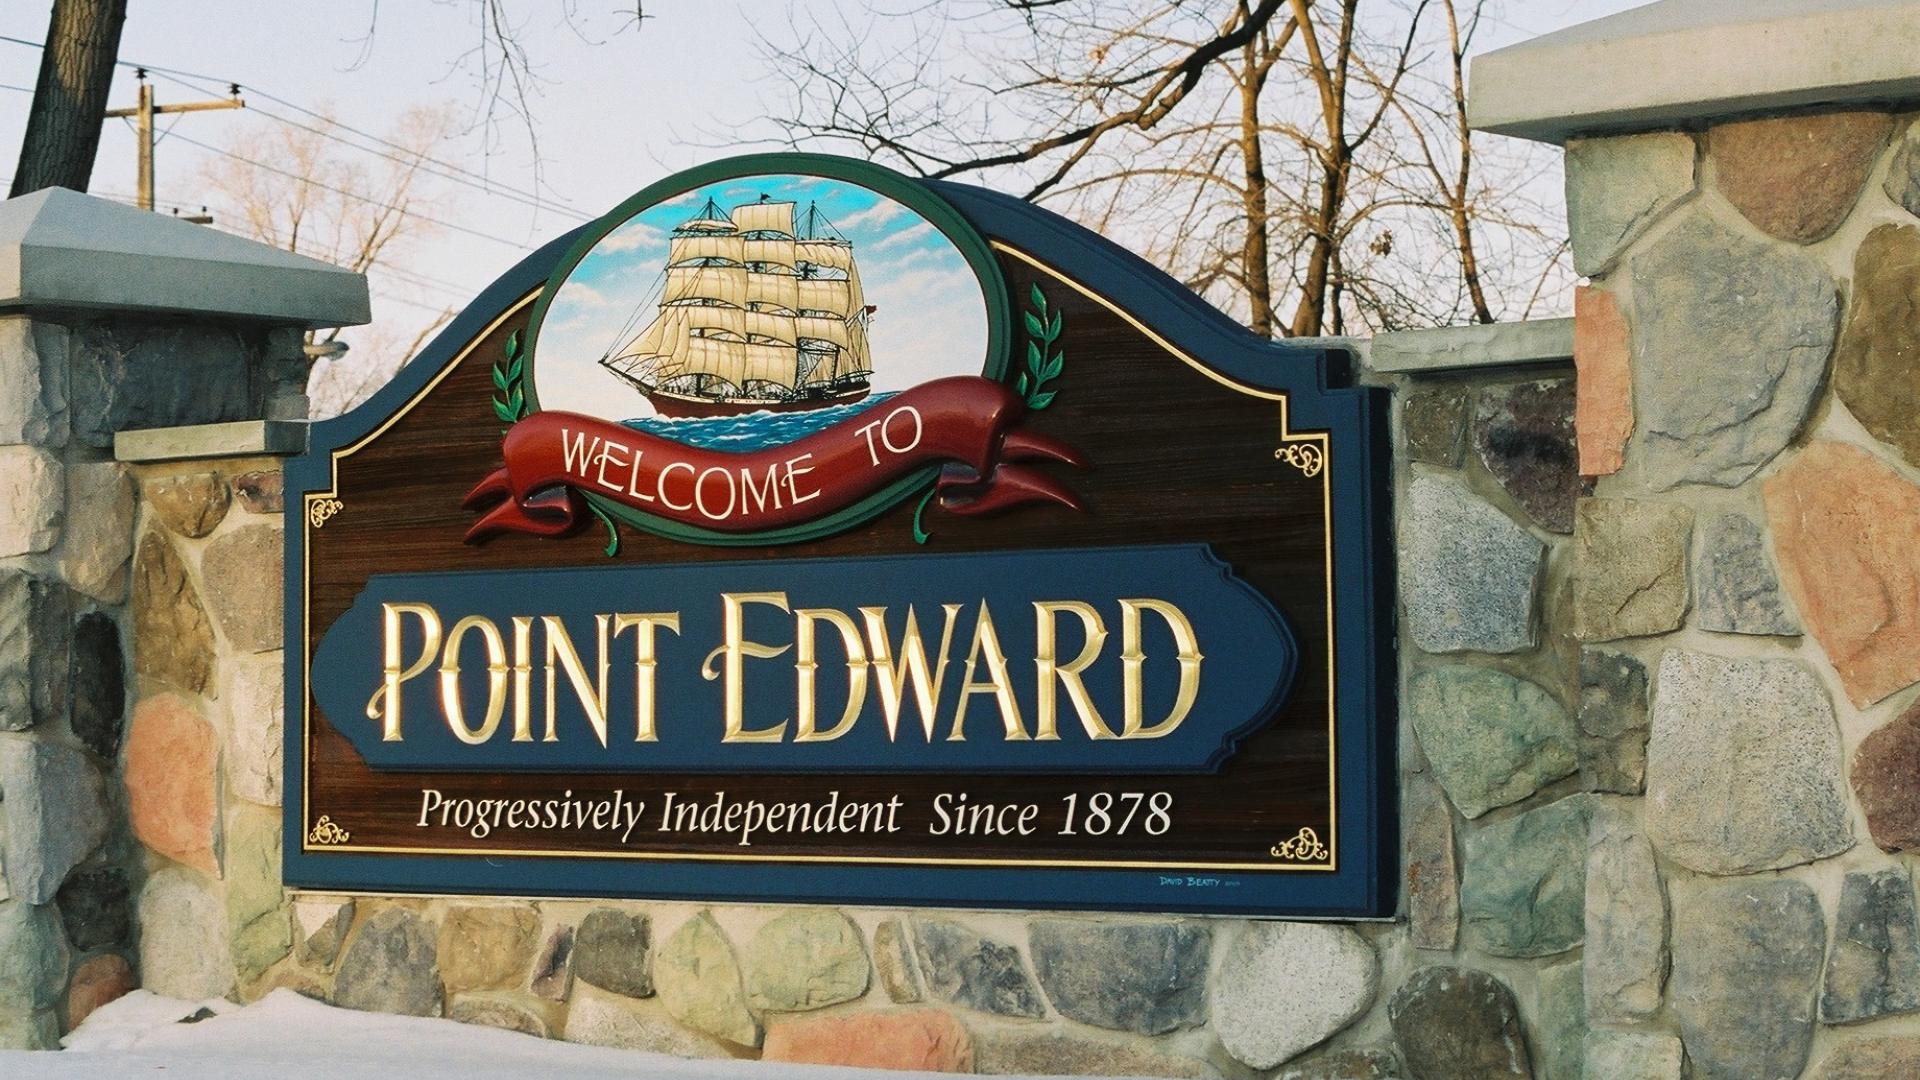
x,y
757,309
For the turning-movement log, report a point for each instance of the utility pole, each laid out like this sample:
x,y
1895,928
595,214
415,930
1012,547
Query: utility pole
x,y
144,112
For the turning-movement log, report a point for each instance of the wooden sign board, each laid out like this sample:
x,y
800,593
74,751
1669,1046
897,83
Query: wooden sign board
x,y
801,531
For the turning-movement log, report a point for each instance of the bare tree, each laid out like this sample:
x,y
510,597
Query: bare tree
x,y
70,97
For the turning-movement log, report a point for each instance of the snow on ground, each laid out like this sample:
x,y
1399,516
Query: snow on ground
x,y
286,1035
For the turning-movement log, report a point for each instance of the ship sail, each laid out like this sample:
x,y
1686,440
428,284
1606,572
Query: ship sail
x,y
752,314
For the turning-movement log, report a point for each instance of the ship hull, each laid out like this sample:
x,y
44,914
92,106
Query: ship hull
x,y
680,406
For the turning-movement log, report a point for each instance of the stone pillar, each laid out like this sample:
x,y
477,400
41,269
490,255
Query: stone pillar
x,y
114,319
1742,192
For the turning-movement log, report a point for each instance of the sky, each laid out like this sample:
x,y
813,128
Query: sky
x,y
616,107
930,318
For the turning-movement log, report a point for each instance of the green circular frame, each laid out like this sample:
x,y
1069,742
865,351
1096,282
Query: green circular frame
x,y
877,178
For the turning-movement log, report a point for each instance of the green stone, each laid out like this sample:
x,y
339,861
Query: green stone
x,y
698,979
1526,881
806,959
258,919
1492,739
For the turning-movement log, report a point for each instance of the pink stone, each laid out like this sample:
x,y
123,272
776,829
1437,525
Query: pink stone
x,y
171,761
922,1039
1886,779
96,982
1844,527
1603,408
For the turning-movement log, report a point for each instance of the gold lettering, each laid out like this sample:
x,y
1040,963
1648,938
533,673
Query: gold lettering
x,y
736,648
561,653
806,667
986,642
1046,612
645,665
1133,661
450,706
913,665
384,706
522,678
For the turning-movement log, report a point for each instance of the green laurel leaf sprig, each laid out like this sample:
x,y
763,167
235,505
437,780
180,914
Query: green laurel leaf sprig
x,y
509,383
1044,359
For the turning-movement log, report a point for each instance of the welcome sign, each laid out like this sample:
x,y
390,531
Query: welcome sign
x,y
803,531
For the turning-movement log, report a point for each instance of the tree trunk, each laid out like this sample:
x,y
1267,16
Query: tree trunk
x,y
70,98
1255,257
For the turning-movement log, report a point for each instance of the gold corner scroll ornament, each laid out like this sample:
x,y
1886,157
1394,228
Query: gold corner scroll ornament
x,y
1305,456
1303,846
327,834
320,511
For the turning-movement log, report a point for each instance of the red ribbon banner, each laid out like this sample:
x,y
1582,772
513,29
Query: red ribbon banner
x,y
968,424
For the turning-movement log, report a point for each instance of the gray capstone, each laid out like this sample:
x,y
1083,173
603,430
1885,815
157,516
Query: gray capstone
x,y
1731,338
35,649
1632,1055
391,966
1743,770
1147,977
1618,186
1739,591
33,957
1613,722
1524,890
613,950
1491,739
1282,988
1468,573
56,807
1746,966
1454,1023
1625,954
966,968
1873,969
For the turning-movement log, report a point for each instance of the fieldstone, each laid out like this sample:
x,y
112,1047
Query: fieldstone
x,y
1743,769
99,684
35,649
1887,1058
1344,1065
96,909
967,969
1457,1023
1467,571
1632,1055
99,530
322,929
259,928
1602,361
913,1039
262,492
487,946
1433,875
1523,434
1525,886
183,940
242,571
1625,954
97,980
599,1019
1434,424
33,491
1885,770
553,969
1903,174
1020,1052
164,372
56,807
33,957
38,1030
611,950
1613,722
1843,528
1146,977
1877,366
1618,186
893,961
1281,988
805,959
1796,177
1629,568
391,966
1746,963
255,723
1730,344
1560,1018
171,764
497,1014
33,397
1874,967
192,504
1739,593
173,641
1491,739
291,978
698,980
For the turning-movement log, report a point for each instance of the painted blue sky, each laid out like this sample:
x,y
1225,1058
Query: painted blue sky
x,y
931,319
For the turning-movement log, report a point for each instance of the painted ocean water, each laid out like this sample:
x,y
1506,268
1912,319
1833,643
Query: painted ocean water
x,y
754,430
